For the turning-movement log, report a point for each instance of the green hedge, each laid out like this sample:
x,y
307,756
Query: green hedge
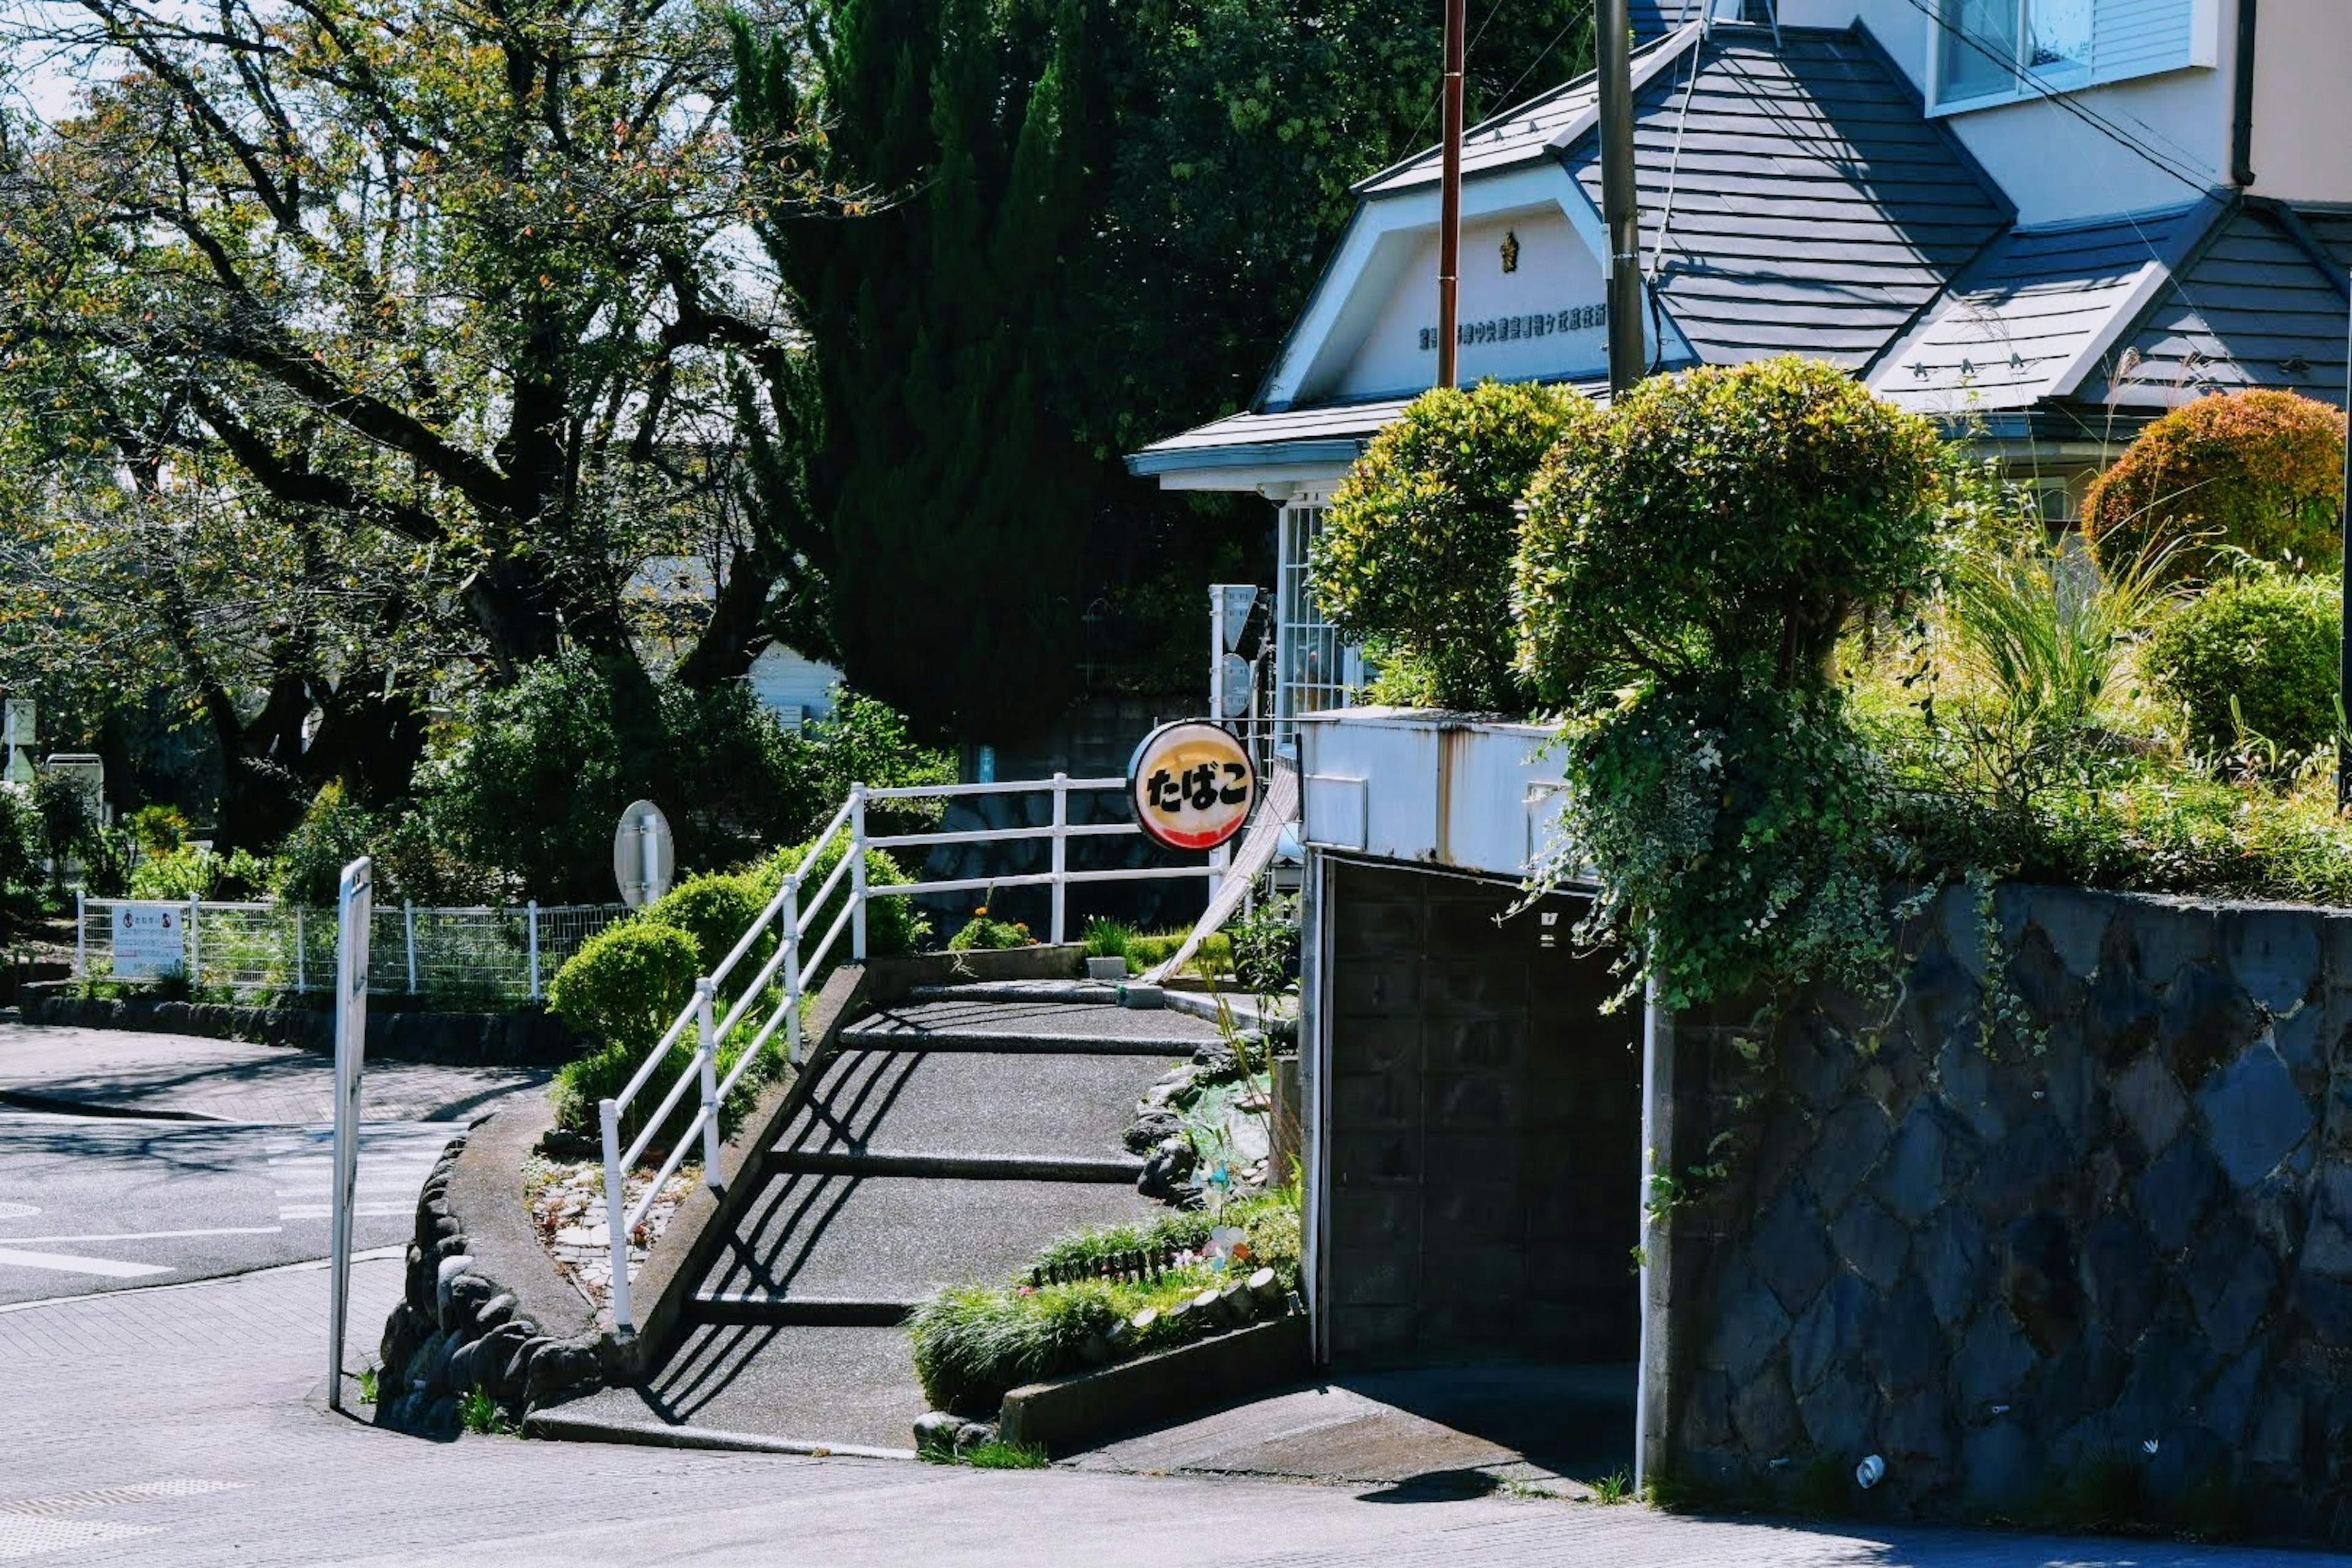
x,y
2269,643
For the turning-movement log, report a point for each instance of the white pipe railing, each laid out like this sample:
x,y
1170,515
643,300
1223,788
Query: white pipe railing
x,y
791,915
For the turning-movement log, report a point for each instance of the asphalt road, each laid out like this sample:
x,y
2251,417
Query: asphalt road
x,y
94,1203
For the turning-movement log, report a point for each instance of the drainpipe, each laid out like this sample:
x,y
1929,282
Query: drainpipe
x,y
2242,114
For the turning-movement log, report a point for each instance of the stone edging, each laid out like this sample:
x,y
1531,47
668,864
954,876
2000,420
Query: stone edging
x,y
1074,1412
527,1038
483,1306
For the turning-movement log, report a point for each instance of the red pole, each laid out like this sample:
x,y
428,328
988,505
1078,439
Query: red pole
x,y
1449,213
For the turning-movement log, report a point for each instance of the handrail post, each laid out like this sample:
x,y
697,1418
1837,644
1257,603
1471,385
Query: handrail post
x,y
1061,851
793,968
196,948
82,934
616,1215
301,970
408,919
531,911
708,1055
857,872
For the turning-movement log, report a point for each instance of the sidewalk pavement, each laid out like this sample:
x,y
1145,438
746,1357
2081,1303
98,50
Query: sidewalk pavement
x,y
182,1077
183,1425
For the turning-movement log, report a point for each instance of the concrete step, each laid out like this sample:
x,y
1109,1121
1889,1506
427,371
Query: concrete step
x,y
810,1312
974,1167
1019,1028
837,1389
904,1102
835,1235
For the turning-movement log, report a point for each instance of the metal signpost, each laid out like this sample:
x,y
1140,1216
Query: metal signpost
x,y
355,907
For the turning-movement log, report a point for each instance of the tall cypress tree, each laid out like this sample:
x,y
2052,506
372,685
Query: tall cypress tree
x,y
954,508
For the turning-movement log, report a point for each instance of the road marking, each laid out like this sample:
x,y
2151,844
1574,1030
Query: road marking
x,y
142,1236
30,1526
17,1211
360,1211
67,1263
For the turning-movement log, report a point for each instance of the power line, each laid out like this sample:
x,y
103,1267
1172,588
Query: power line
x,y
2062,97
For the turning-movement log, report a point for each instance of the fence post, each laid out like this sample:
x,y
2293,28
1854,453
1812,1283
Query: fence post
x,y
705,990
408,925
857,872
532,910
617,1215
81,935
793,968
301,970
1061,851
195,945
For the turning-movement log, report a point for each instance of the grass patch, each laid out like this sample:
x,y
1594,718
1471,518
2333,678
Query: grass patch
x,y
369,1386
974,1342
1212,960
480,1414
1612,1488
997,1455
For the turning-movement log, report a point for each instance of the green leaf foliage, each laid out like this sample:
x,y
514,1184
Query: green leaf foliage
x,y
2257,473
1719,520
1734,831
1417,547
2268,644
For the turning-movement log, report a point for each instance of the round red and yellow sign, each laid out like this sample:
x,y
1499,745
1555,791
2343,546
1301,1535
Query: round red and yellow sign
x,y
1193,784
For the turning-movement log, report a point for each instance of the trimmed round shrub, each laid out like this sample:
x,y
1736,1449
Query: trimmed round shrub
x,y
1724,520
2257,472
628,984
2271,642
716,909
1414,556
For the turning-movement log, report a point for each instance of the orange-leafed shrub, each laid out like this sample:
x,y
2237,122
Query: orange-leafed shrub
x,y
2258,471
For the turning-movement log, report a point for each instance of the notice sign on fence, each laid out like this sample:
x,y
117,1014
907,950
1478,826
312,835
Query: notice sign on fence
x,y
150,940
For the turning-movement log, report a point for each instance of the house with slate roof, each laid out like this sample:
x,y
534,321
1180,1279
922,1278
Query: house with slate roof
x,y
2043,222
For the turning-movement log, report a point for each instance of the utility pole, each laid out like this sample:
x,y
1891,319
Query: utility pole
x,y
1449,209
1621,211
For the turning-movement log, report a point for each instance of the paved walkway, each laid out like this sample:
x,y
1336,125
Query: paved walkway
x,y
126,1073
179,1425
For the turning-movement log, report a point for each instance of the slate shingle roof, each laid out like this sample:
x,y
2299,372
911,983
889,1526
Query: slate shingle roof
x,y
1812,206
2252,308
2029,318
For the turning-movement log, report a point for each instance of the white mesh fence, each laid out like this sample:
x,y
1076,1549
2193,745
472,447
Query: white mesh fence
x,y
458,956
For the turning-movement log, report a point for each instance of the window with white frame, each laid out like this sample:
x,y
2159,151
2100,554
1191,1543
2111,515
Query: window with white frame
x,y
1991,51
1314,669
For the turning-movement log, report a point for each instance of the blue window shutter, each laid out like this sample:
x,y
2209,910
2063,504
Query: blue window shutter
x,y
2139,37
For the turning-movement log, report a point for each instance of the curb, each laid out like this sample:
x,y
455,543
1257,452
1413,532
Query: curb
x,y
656,1434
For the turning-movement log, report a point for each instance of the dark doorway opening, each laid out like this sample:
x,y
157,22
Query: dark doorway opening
x,y
1484,1146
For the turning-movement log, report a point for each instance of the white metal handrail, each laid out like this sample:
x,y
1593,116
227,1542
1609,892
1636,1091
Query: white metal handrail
x,y
791,914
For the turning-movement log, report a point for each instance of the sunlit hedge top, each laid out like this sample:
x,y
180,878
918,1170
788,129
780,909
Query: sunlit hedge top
x,y
2258,471
1722,519
1415,552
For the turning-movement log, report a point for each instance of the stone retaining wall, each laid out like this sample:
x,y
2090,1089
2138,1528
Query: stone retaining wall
x,y
478,1311
527,1038
2112,1256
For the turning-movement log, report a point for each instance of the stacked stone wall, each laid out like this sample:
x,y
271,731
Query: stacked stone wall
x,y
2111,1249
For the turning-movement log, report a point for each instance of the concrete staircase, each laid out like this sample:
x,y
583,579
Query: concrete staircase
x,y
944,1139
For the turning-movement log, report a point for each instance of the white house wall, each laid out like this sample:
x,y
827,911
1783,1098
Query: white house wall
x,y
1360,335
2303,112
2058,168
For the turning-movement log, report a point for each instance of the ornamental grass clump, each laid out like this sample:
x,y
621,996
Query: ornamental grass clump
x,y
2257,473
1414,555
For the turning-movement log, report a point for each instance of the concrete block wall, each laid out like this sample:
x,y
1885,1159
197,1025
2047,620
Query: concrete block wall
x,y
1483,1125
2116,1252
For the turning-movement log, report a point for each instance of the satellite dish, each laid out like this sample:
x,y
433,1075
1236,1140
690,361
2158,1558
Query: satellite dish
x,y
645,857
